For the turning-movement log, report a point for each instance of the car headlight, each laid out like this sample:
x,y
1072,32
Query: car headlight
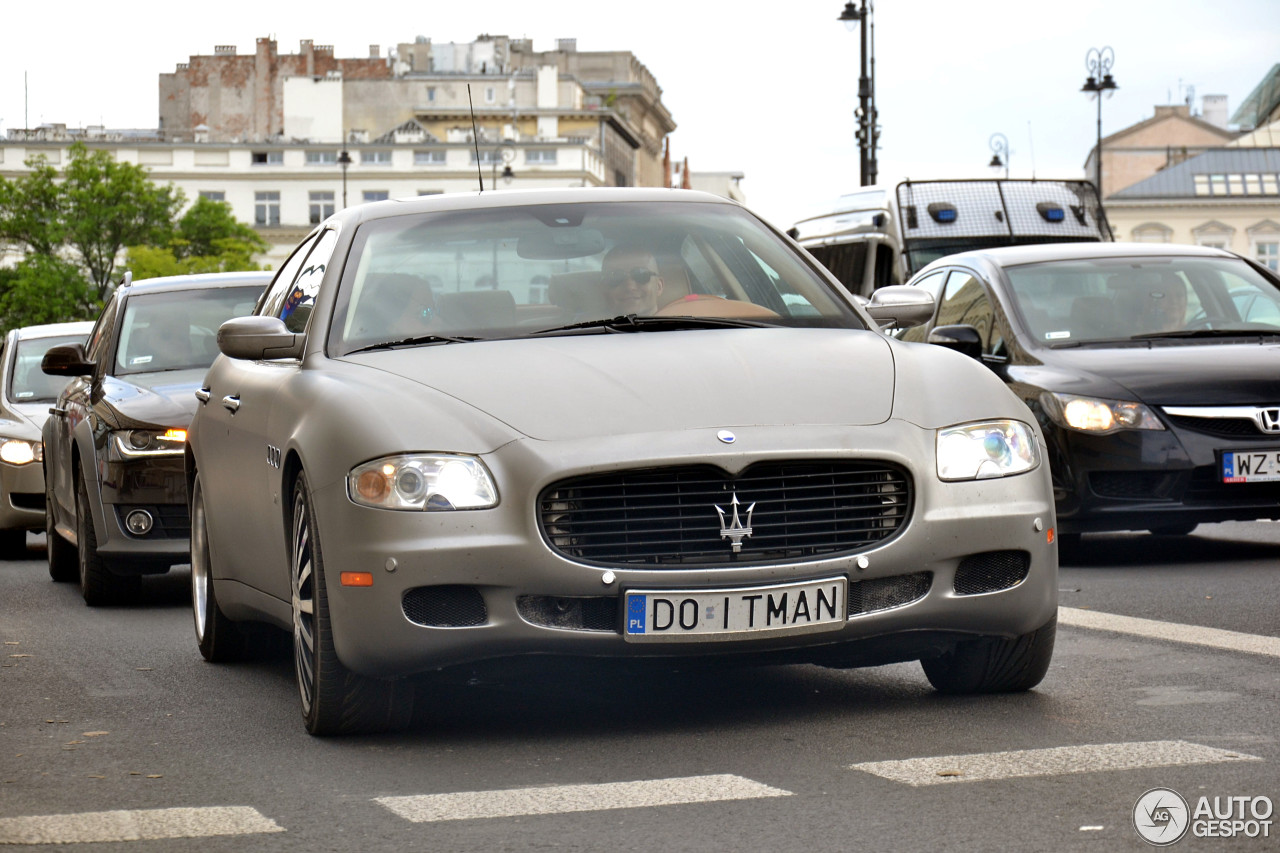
x,y
425,482
984,450
135,443
17,451
1091,414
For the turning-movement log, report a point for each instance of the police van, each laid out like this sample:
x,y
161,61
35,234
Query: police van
x,y
883,235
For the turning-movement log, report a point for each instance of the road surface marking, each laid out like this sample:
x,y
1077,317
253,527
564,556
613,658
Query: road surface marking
x,y
1217,638
982,767
578,798
135,825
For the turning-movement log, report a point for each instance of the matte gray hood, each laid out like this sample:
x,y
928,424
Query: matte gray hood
x,y
567,387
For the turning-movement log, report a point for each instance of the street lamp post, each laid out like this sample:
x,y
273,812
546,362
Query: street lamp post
x,y
867,132
507,152
999,145
344,160
1100,82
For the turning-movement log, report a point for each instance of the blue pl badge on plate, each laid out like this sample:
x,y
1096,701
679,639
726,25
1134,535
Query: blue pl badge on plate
x,y
1228,466
635,614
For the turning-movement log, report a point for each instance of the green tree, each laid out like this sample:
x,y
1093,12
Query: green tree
x,y
44,289
109,205
208,228
31,208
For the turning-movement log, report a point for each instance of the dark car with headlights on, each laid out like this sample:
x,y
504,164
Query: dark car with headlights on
x,y
113,444
1153,371
25,395
666,432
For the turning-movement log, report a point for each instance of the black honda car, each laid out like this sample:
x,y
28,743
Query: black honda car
x,y
116,496
1153,370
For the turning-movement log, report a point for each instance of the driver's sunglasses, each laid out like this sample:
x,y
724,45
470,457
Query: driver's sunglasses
x,y
639,275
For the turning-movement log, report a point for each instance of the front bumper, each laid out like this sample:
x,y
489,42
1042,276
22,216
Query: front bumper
x,y
1144,479
158,487
500,558
21,496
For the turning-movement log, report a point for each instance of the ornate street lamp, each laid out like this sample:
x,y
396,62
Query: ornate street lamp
x,y
868,133
344,160
1100,82
999,145
507,151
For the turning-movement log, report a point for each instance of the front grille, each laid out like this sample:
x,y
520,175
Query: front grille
x,y
1224,427
794,510
445,606
1131,485
1205,487
991,571
170,521
883,593
596,613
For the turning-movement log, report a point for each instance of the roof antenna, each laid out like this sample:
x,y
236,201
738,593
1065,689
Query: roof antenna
x,y
475,138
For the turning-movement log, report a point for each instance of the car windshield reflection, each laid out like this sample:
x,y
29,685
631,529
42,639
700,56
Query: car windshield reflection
x,y
177,330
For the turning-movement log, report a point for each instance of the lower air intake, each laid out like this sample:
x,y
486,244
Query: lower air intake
x,y
445,606
573,614
884,593
991,571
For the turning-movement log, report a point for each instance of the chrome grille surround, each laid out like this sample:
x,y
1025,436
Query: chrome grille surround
x,y
667,517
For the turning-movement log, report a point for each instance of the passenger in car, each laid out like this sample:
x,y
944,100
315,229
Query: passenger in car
x,y
631,279
1153,307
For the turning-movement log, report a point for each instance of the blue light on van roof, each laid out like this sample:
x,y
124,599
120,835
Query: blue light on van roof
x,y
942,212
1051,212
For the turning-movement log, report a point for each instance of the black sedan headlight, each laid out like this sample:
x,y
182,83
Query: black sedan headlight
x,y
140,443
18,451
1096,415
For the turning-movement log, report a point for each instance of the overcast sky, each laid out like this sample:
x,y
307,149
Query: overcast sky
x,y
765,89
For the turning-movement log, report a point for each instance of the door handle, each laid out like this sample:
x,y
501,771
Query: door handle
x,y
203,395
231,402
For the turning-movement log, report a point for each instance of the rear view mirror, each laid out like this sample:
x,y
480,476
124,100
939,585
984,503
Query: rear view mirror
x,y
900,306
962,338
560,244
66,360
258,339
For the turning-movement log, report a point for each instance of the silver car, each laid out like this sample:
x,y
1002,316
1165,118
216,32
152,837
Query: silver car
x,y
25,396
604,423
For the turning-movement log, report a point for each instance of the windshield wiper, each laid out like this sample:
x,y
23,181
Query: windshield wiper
x,y
1209,333
415,341
636,323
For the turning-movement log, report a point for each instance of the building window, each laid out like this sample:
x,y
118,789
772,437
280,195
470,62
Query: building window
x,y
434,157
431,94
1202,184
375,158
213,195
266,207
322,158
1253,184
545,156
268,158
1152,232
488,156
321,205
1269,185
1218,184
490,94
376,195
1268,254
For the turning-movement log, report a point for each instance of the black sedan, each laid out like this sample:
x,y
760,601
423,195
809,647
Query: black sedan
x,y
116,498
1154,371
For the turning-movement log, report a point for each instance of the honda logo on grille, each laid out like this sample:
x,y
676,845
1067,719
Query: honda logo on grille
x,y
736,531
1269,420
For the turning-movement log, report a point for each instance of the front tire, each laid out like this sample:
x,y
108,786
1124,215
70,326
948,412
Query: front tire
x,y
218,637
334,699
98,584
994,664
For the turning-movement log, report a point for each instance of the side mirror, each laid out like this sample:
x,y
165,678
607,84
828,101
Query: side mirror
x,y
66,360
900,306
961,338
258,338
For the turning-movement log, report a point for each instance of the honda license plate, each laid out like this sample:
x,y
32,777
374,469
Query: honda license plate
x,y
1251,466
665,615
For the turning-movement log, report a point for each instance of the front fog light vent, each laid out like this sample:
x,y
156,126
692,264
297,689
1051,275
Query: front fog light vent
x,y
139,522
445,606
991,571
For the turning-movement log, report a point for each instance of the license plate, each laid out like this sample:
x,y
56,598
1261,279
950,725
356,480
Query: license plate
x,y
1251,466
666,615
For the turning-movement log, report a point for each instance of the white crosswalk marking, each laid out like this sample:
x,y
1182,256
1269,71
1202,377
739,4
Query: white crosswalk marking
x,y
1217,638
982,767
578,798
135,825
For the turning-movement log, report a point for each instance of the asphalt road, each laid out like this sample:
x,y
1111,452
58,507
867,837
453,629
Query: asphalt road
x,y
112,727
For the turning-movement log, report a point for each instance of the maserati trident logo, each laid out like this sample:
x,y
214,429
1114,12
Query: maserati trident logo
x,y
736,531
1269,420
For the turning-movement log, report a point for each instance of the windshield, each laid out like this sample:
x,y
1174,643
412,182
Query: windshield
x,y
27,382
515,272
177,330
1107,299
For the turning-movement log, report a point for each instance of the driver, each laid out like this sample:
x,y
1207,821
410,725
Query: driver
x,y
632,281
